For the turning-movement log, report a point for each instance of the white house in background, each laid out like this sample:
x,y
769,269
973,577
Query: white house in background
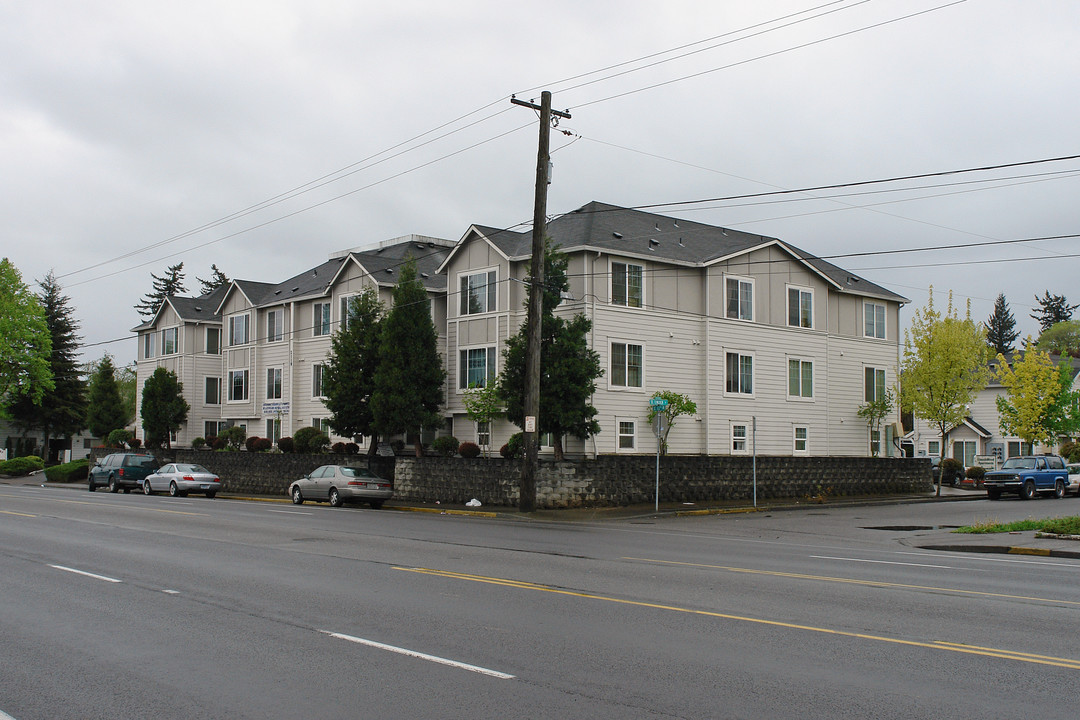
x,y
252,353
980,434
756,331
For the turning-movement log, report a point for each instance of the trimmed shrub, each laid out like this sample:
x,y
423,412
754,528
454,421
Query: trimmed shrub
x,y
976,473
73,471
21,465
351,448
134,443
514,447
286,445
338,448
219,443
234,436
118,438
951,471
264,444
197,443
1071,451
469,450
251,444
310,440
447,445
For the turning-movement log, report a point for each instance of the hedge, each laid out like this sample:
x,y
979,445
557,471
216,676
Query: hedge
x,y
21,465
74,471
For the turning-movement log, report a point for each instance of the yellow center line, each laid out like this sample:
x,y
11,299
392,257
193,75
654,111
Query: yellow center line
x,y
933,645
854,581
11,512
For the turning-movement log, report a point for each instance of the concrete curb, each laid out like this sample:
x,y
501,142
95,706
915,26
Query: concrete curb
x,y
1005,550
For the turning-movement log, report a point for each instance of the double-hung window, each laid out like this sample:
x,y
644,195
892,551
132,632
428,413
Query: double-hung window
x,y
802,440
874,384
212,394
170,341
320,320
346,312
238,329
478,293
476,367
273,383
740,298
627,434
627,363
317,380
148,345
238,385
275,325
213,341
626,287
800,308
740,374
739,434
873,320
800,378
273,429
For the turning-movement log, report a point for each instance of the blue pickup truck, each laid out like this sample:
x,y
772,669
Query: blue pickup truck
x,y
1027,475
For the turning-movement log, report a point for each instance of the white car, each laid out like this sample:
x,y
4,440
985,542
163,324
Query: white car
x,y
1074,478
180,479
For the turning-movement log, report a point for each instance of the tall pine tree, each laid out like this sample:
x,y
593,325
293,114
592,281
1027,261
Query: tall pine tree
x,y
349,375
164,409
217,279
568,366
62,410
1001,330
106,411
409,381
1052,310
171,283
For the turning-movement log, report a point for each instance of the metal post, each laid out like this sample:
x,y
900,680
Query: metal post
x,y
755,459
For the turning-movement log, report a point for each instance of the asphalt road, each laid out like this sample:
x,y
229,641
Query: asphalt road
x,y
124,606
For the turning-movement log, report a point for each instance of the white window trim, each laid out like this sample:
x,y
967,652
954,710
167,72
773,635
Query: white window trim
x,y
270,313
176,349
795,440
470,273
343,309
149,345
220,383
489,374
322,380
754,364
875,368
229,384
748,439
281,370
787,296
618,435
929,453
753,297
611,283
644,354
206,340
884,320
247,329
329,321
813,378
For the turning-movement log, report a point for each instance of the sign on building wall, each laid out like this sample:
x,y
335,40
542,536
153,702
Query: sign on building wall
x,y
275,408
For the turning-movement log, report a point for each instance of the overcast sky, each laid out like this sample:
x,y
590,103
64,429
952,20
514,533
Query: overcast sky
x,y
128,130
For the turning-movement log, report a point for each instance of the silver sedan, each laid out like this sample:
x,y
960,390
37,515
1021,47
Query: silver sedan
x,y
181,478
338,484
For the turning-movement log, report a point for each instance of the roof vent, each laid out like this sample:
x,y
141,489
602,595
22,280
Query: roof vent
x,y
658,226
198,308
681,243
675,224
653,243
420,246
389,270
295,289
424,275
277,292
618,235
723,231
315,273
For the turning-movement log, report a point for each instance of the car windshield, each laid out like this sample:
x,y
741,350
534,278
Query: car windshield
x,y
191,469
357,472
1019,463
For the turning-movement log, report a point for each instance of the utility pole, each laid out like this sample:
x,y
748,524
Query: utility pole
x,y
527,492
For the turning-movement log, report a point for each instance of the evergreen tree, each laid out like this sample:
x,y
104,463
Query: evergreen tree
x,y
1052,310
25,344
568,367
163,408
171,283
217,279
409,380
1001,330
62,410
106,410
349,375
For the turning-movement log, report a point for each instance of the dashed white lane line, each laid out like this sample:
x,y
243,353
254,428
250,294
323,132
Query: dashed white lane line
x,y
86,574
880,562
421,656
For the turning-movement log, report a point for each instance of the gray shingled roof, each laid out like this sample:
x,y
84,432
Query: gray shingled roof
x,y
618,230
384,263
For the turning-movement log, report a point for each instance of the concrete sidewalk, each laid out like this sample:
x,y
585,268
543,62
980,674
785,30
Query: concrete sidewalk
x,y
1019,543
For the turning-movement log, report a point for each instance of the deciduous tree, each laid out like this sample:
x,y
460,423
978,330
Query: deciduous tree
x,y
483,405
1062,338
25,341
945,365
678,405
1039,404
409,380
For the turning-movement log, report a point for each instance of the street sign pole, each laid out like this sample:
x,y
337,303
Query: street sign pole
x,y
658,404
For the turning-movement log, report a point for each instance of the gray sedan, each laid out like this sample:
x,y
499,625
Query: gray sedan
x,y
338,484
180,479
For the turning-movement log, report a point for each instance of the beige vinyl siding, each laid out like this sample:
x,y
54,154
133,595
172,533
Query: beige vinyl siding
x,y
848,358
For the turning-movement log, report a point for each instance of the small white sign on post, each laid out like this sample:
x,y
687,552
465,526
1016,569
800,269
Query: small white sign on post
x,y
530,423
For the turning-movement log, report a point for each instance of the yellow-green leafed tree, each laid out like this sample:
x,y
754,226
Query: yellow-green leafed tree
x,y
1031,408
945,365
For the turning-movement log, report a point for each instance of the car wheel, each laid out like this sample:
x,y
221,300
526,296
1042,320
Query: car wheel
x,y
113,487
91,487
993,494
147,490
211,495
127,490
173,490
335,498
1028,490
1059,489
297,496
376,504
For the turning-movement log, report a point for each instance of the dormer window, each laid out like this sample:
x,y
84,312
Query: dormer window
x,y
478,293
626,284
